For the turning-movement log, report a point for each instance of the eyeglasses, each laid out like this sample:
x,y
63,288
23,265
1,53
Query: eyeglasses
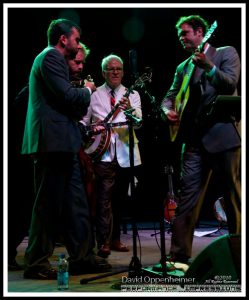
x,y
114,69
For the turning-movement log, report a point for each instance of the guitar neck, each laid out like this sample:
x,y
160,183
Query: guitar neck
x,y
90,128
191,69
116,106
108,117
191,65
118,124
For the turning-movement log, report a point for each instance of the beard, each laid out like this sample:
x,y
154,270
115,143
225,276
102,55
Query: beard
x,y
72,53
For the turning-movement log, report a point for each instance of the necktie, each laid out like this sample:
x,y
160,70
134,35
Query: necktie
x,y
112,98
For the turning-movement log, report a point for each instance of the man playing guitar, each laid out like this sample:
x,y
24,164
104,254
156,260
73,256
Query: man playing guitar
x,y
208,140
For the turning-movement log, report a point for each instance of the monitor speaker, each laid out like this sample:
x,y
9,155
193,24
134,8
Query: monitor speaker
x,y
219,261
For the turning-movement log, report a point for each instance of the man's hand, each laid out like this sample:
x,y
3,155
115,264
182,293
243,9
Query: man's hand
x,y
170,115
98,127
124,103
91,85
201,61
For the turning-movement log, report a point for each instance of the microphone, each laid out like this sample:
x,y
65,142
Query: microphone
x,y
133,63
131,117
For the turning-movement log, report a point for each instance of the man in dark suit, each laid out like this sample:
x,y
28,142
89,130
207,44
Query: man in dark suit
x,y
53,139
208,142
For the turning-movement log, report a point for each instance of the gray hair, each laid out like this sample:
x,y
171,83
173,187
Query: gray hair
x,y
106,60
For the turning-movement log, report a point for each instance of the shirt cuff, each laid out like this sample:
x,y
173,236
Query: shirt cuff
x,y
90,91
211,72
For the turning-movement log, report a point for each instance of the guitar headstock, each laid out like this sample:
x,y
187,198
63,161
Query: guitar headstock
x,y
146,76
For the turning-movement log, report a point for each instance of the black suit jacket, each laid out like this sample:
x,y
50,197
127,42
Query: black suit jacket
x,y
54,106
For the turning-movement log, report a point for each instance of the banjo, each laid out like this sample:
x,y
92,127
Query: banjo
x,y
98,142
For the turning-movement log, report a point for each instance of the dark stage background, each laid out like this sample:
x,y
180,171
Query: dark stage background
x,y
149,31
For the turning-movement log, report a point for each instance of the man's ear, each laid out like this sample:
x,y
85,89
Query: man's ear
x,y
199,31
63,40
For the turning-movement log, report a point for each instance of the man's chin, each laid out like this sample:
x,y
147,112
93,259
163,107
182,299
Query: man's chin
x,y
188,49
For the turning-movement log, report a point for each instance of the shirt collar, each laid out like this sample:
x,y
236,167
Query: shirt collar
x,y
108,88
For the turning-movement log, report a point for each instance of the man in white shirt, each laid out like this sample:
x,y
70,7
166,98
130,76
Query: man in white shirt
x,y
111,156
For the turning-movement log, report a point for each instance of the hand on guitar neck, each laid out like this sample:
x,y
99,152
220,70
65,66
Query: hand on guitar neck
x,y
201,61
124,103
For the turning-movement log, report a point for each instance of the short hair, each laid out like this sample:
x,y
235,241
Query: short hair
x,y
195,21
59,27
106,60
86,51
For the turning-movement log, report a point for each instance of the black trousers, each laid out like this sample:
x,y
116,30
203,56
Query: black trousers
x,y
60,207
112,184
196,165
20,201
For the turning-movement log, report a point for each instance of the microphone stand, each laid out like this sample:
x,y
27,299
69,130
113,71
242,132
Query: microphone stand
x,y
163,261
135,267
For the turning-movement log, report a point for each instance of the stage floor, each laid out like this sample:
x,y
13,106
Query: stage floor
x,y
148,254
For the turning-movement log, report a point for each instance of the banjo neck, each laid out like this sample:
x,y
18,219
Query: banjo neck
x,y
90,128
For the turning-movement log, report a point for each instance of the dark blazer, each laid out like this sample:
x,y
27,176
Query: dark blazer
x,y
54,106
221,134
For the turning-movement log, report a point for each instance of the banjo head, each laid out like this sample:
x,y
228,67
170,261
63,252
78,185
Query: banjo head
x,y
98,144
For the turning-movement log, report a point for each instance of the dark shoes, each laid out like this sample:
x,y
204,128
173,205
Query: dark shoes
x,y
118,246
50,274
104,251
14,266
93,264
173,258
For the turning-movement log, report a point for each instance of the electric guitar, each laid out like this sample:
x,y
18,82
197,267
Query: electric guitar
x,y
98,142
183,95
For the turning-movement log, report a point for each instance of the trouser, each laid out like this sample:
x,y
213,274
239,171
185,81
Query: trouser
x,y
196,165
112,183
60,207
20,202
